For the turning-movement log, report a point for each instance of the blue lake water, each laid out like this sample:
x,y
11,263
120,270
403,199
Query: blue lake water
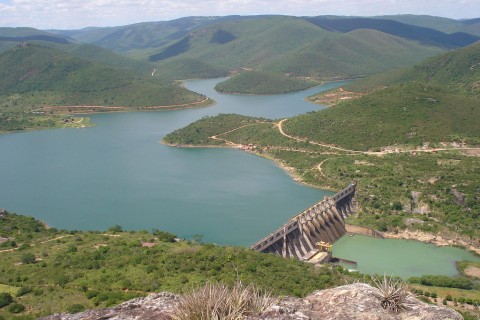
x,y
118,173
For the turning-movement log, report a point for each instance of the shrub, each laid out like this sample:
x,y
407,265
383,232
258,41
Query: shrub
x,y
115,229
28,258
218,301
76,308
392,294
23,291
16,308
164,236
5,299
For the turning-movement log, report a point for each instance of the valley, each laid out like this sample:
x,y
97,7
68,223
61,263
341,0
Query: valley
x,y
141,201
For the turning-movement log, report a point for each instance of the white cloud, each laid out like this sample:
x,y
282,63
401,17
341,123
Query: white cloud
x,y
72,14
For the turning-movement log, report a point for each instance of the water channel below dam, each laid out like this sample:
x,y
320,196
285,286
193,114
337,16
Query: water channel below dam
x,y
118,173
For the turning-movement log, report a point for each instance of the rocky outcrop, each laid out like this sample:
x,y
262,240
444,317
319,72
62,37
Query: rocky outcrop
x,y
153,307
350,302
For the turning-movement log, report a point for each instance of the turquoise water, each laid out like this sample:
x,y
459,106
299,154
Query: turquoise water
x,y
404,258
118,173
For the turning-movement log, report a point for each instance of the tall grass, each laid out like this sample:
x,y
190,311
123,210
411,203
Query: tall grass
x,y
217,301
393,294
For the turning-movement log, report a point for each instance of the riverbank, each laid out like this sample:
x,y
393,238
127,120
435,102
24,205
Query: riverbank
x,y
439,240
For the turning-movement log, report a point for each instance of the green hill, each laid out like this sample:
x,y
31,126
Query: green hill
x,y
407,114
34,79
10,37
436,101
358,53
459,70
196,47
293,46
144,35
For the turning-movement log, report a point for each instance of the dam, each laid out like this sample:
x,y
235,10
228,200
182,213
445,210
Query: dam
x,y
323,223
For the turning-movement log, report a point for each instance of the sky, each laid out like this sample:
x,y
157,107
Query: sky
x,y
76,14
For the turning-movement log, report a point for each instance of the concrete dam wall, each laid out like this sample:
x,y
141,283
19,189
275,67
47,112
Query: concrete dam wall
x,y
324,221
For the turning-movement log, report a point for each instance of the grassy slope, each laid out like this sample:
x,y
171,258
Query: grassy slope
x,y
258,82
95,270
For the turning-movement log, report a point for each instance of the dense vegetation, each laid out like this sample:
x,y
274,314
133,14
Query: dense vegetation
x,y
51,271
258,82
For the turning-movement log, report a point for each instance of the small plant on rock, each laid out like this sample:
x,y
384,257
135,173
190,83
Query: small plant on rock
x,y
392,294
216,301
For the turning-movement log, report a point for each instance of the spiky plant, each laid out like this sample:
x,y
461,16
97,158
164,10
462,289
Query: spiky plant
x,y
392,294
216,301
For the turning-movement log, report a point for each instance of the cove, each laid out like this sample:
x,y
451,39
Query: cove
x,y
118,173
403,258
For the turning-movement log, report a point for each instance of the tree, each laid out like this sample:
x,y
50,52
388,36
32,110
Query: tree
x,y
5,299
16,308
28,258
115,229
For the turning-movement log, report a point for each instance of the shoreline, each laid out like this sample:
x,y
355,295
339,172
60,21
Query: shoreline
x,y
289,170
435,239
439,240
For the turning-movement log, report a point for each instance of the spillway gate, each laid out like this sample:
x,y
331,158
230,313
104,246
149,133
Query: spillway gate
x,y
324,221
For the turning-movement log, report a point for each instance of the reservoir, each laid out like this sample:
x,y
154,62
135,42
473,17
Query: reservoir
x,y
403,258
118,172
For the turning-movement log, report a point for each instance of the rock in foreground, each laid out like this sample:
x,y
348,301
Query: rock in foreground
x,y
351,302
